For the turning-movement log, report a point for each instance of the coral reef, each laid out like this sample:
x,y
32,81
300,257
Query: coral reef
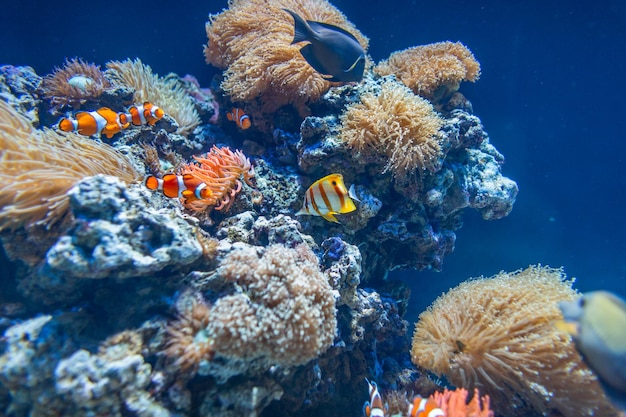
x,y
251,40
499,333
74,84
38,167
397,125
136,304
166,92
432,71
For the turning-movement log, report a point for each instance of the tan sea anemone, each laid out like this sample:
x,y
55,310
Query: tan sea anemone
x,y
74,83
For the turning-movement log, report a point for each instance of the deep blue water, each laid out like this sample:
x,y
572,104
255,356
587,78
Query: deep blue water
x,y
551,97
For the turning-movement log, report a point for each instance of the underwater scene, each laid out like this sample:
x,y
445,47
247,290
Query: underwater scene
x,y
312,208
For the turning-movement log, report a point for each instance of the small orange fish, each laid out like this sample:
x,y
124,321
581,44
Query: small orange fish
x,y
328,196
241,119
182,186
425,407
103,121
374,407
147,113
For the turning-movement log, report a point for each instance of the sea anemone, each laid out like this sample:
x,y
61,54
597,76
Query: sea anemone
x,y
498,333
188,342
166,92
252,42
432,71
222,171
74,84
397,126
38,167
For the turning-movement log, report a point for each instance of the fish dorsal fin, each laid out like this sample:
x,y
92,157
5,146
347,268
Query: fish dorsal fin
x,y
321,26
309,54
301,29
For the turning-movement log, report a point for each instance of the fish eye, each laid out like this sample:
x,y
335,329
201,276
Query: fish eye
x,y
334,182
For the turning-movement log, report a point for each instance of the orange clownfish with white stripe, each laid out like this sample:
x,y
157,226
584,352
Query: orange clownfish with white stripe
x,y
374,407
103,121
241,119
425,407
147,113
182,186
328,196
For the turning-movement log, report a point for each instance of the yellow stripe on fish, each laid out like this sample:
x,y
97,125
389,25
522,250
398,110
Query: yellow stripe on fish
x,y
328,196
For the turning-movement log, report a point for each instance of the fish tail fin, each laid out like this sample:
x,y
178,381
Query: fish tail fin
x,y
301,31
152,182
352,194
330,217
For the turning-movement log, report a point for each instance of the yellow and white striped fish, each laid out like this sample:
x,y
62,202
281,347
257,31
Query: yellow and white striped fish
x,y
328,196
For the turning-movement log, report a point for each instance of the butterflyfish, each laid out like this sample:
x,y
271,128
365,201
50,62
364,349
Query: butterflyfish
x,y
328,196
182,186
425,407
145,114
241,119
332,51
597,323
374,407
103,121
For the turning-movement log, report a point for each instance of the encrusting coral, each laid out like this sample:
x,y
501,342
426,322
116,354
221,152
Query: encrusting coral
x,y
38,167
432,71
222,171
166,92
75,83
498,333
397,125
252,42
284,312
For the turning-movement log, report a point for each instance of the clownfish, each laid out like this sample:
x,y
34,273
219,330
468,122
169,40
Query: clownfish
x,y
374,407
241,119
425,407
103,121
147,113
182,186
328,196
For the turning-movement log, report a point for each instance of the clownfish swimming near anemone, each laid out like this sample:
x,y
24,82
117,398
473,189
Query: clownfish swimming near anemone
x,y
106,122
103,121
185,186
145,114
425,407
328,196
374,407
241,119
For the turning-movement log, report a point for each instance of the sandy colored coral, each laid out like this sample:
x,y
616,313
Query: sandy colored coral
x,y
188,342
454,403
74,83
38,167
396,124
433,71
284,312
166,92
252,42
498,333
222,170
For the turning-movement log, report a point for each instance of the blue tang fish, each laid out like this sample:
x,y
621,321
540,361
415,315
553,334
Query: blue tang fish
x,y
332,51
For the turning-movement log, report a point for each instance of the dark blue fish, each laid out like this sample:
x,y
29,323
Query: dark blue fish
x,y
332,51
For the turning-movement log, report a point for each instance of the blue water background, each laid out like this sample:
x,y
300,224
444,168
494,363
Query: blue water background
x,y
551,96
